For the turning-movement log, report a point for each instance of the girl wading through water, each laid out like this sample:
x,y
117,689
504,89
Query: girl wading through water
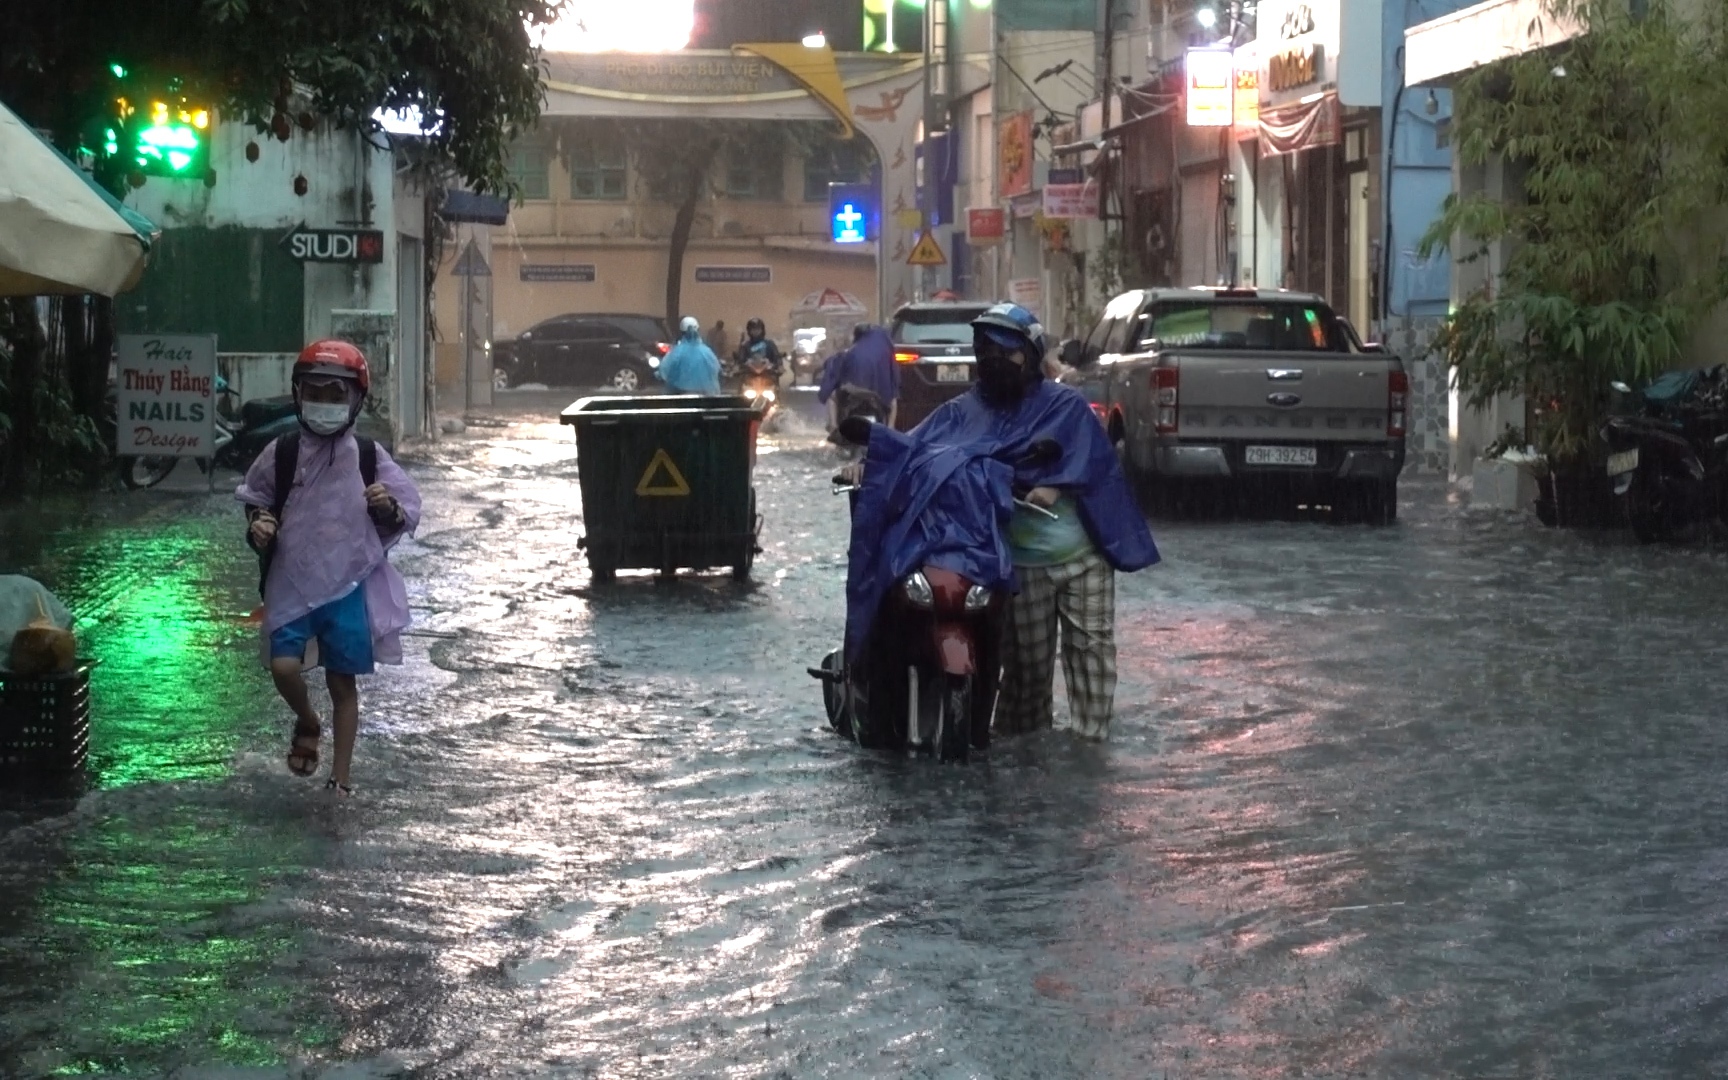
x,y
323,508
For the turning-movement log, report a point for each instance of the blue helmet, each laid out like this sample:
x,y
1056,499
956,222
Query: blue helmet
x,y
1013,327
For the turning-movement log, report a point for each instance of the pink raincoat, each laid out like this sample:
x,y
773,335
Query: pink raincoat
x,y
327,543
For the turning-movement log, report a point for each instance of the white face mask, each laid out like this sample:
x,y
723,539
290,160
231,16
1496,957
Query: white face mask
x,y
323,419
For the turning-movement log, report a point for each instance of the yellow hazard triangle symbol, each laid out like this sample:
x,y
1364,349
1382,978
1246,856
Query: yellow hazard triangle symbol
x,y
662,477
927,252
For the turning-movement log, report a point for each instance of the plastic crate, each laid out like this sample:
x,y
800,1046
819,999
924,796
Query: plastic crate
x,y
45,722
666,482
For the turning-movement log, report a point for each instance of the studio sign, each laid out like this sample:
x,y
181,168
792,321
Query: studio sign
x,y
335,245
1294,67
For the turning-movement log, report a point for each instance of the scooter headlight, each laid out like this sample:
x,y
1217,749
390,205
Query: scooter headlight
x,y
767,395
918,590
977,598
654,362
750,393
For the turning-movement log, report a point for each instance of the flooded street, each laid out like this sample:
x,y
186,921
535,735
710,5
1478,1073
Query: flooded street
x,y
1441,800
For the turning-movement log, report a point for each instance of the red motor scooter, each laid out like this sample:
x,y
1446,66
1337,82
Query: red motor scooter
x,y
927,677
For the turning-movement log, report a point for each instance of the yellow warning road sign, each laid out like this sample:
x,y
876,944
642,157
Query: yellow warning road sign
x,y
926,252
662,477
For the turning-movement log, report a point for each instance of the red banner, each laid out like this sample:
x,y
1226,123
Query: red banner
x,y
1015,155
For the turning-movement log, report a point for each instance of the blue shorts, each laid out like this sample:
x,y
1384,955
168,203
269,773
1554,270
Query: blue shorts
x,y
343,630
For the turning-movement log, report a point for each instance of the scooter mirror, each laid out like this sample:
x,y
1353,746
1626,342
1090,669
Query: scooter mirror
x,y
856,429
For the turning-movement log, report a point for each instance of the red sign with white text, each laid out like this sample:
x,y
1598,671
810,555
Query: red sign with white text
x,y
986,226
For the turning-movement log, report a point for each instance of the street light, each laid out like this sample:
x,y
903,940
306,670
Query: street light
x,y
1206,17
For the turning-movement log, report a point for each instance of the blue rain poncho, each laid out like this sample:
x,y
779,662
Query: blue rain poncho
x,y
691,367
943,495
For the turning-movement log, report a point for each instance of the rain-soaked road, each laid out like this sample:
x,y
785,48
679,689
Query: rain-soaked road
x,y
1444,800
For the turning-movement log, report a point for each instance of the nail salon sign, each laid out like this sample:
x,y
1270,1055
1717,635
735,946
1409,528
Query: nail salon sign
x,y
166,404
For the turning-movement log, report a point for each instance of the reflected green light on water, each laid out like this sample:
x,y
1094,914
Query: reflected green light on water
x,y
155,933
178,669
172,952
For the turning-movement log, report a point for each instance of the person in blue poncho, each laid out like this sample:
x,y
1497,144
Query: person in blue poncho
x,y
690,366
866,369
1064,566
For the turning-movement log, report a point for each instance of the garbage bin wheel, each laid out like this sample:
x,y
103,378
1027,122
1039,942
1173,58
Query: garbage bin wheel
x,y
741,570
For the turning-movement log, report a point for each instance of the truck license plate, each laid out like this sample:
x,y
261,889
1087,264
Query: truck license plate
x,y
1624,462
953,373
1281,455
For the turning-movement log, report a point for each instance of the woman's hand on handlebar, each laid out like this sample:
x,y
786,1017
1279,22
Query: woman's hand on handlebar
x,y
852,474
1043,496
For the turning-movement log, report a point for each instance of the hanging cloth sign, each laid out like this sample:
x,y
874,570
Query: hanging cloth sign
x,y
1299,127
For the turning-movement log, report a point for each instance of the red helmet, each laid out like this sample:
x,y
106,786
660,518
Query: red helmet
x,y
333,356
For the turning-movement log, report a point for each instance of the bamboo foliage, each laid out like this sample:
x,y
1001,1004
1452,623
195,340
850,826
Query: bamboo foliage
x,y
1617,244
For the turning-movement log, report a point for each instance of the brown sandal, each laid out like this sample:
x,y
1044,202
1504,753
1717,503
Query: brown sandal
x,y
305,731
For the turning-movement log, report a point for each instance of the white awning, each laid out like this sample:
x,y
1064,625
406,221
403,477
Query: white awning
x,y
59,232
1437,51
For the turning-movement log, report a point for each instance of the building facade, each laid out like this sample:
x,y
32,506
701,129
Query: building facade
x,y
267,260
590,233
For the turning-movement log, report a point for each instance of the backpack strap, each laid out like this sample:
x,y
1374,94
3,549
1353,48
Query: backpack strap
x,y
287,463
368,460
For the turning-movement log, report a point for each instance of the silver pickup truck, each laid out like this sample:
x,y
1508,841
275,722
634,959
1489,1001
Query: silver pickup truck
x,y
1227,387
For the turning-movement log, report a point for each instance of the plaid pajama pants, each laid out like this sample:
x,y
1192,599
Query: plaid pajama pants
x,y
1079,598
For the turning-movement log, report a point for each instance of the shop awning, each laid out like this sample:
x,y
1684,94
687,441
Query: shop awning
x,y
1438,51
60,233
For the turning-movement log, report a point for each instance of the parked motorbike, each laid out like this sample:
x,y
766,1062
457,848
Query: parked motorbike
x,y
928,675
1668,453
238,440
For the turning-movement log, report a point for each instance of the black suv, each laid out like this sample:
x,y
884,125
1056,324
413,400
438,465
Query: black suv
x,y
933,345
620,352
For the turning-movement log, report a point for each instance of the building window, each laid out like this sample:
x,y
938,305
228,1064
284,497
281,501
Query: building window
x,y
758,175
596,168
836,163
529,168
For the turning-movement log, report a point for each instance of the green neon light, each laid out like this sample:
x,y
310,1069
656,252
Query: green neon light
x,y
119,72
170,136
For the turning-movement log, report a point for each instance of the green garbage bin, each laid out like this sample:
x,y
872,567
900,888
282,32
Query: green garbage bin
x,y
666,482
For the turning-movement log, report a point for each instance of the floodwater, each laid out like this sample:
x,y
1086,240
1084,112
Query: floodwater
x,y
1441,800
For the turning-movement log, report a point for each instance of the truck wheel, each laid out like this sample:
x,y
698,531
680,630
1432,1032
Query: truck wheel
x,y
602,574
1383,503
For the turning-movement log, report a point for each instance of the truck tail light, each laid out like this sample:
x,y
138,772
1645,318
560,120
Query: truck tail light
x,y
905,358
1397,403
1165,395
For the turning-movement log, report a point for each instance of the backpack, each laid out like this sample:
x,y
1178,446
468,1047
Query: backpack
x,y
287,461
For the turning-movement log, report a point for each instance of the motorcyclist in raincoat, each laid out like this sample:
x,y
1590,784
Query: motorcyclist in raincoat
x,y
1062,570
690,366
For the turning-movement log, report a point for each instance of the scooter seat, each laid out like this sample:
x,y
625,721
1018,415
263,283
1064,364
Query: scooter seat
x,y
260,411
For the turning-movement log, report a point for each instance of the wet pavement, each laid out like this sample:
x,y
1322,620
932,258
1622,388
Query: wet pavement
x,y
1441,800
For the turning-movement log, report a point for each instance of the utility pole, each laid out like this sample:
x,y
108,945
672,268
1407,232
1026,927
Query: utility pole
x,y
1107,67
